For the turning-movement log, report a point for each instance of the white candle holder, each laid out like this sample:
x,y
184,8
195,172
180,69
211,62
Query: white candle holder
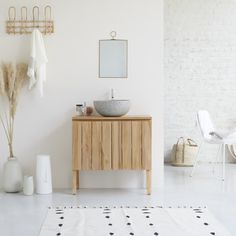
x,y
28,185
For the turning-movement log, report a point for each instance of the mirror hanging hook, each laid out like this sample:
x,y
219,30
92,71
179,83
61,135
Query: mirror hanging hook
x,y
113,35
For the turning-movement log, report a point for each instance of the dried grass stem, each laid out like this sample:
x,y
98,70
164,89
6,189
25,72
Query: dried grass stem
x,y
12,79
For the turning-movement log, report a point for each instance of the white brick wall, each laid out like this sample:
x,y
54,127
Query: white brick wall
x,y
200,66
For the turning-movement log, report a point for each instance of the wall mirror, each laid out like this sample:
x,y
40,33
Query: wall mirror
x,y
113,58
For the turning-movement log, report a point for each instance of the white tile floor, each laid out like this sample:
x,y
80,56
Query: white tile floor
x,y
21,215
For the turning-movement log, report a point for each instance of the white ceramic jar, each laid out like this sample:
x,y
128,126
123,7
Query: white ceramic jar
x,y
28,185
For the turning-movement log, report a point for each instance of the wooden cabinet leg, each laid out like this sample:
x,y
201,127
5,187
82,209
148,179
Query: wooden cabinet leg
x,y
149,181
77,185
74,181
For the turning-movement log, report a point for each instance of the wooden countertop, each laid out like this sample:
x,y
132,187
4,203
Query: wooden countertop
x,y
103,118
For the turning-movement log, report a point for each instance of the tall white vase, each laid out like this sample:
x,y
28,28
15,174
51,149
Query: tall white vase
x,y
43,175
12,176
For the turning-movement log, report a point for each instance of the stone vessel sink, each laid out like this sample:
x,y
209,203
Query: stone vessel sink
x,y
112,107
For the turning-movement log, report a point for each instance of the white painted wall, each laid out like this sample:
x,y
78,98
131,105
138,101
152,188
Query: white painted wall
x,y
44,125
200,66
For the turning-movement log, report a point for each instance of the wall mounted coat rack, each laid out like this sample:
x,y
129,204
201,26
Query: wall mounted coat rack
x,y
25,25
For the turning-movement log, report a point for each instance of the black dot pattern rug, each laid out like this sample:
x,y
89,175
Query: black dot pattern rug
x,y
126,221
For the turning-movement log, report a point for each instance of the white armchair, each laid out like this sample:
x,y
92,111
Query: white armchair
x,y
213,136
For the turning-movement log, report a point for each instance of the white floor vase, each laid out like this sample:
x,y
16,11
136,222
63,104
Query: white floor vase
x,y
147,221
43,175
12,176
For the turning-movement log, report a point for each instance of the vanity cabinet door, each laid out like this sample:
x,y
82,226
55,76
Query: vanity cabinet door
x,y
86,145
146,145
116,145
96,145
128,138
76,145
136,145
126,142
106,145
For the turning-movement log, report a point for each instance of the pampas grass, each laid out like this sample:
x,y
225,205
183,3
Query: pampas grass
x,y
2,83
12,79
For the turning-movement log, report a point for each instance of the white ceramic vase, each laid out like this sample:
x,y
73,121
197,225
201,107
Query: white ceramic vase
x,y
12,176
28,185
43,175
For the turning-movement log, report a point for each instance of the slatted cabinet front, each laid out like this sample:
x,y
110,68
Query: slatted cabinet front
x,y
111,144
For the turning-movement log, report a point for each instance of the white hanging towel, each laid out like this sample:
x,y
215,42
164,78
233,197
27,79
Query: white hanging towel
x,y
37,63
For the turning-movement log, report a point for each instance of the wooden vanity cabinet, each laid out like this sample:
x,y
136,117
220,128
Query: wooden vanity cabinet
x,y
111,143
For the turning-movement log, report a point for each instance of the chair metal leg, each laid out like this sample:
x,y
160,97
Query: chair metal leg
x,y
223,162
196,159
217,157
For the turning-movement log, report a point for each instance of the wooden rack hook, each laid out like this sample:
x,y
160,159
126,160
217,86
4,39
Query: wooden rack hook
x,y
24,13
12,13
35,13
25,25
48,12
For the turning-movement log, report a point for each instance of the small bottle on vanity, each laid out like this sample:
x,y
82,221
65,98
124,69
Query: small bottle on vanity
x,y
80,109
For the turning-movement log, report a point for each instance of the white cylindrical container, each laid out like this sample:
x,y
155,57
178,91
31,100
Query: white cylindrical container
x,y
28,185
43,175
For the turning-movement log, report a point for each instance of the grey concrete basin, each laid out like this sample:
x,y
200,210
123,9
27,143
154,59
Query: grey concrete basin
x,y
112,107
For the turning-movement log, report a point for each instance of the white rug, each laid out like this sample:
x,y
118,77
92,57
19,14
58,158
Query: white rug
x,y
119,221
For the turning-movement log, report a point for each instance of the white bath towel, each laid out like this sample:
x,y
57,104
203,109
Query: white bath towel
x,y
37,63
